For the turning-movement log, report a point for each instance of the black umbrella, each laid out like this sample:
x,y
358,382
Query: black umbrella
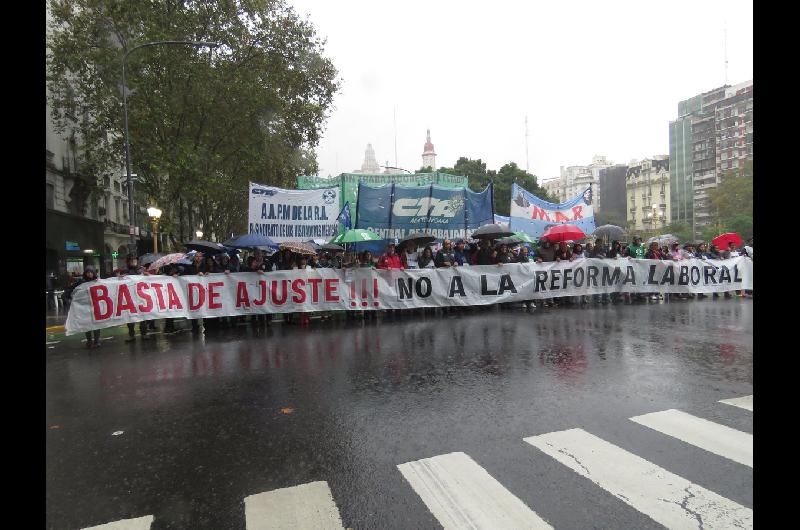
x,y
331,247
206,247
147,259
250,241
609,231
492,231
508,241
418,239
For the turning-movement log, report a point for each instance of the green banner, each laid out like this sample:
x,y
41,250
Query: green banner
x,y
349,184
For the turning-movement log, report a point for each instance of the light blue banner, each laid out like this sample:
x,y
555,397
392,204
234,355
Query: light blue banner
x,y
532,215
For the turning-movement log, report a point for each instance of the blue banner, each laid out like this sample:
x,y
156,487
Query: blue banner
x,y
532,215
394,212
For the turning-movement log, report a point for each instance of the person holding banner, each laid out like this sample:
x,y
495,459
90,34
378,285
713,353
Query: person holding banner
x,y
462,257
390,260
89,275
410,256
446,257
132,268
636,249
486,254
426,261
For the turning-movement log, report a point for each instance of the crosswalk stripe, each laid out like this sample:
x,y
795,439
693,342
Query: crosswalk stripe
x,y
308,506
666,498
713,437
139,523
744,402
461,494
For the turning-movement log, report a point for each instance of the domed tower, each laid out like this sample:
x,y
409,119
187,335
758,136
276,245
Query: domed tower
x,y
428,156
370,164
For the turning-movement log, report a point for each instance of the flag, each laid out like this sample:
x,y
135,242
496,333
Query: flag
x,y
344,216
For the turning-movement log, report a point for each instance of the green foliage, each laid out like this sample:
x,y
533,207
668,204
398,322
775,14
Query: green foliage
x,y
203,123
733,201
480,177
682,230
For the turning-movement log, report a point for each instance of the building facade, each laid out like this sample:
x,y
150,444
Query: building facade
x,y
552,186
574,179
647,184
612,198
712,135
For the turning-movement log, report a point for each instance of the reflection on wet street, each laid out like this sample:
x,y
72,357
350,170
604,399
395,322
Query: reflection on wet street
x,y
207,414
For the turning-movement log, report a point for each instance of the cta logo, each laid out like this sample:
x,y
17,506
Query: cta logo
x,y
420,208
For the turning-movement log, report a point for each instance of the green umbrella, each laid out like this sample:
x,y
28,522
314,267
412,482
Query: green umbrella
x,y
356,235
522,236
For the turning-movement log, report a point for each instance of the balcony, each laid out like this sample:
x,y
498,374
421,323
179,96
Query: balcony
x,y
116,228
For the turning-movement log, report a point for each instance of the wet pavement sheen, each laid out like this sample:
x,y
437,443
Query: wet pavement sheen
x,y
207,421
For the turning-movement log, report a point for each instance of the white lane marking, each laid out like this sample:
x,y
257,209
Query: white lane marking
x,y
308,506
461,494
745,402
139,523
713,437
665,497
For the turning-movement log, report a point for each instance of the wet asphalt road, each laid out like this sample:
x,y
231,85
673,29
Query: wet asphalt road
x,y
210,420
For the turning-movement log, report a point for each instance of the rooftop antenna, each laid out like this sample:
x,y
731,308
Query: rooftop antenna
x,y
394,111
527,161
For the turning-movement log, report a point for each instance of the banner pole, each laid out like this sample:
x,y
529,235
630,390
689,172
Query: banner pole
x,y
466,220
391,204
428,217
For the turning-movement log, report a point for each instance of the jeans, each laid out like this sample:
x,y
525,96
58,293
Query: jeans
x,y
93,336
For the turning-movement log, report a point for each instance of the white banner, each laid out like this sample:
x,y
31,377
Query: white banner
x,y
293,215
115,301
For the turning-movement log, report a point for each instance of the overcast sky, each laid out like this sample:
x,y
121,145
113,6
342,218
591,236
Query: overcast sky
x,y
592,77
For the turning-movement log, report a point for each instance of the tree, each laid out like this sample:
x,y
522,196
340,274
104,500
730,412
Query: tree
x,y
681,230
203,122
733,201
479,177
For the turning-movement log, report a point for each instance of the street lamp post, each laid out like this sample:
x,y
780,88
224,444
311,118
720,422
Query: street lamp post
x,y
155,215
131,208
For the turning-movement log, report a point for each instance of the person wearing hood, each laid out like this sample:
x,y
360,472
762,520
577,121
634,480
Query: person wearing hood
x,y
89,275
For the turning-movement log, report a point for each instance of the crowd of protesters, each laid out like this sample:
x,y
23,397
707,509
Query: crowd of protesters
x,y
449,254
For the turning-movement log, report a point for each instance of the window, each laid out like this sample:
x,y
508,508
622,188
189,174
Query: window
x,y
117,211
50,196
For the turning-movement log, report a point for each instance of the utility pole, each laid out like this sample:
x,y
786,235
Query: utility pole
x,y
394,112
527,161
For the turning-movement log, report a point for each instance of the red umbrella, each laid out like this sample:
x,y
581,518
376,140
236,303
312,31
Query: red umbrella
x,y
722,241
563,233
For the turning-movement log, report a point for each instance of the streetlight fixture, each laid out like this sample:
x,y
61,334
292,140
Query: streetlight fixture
x,y
131,209
155,215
